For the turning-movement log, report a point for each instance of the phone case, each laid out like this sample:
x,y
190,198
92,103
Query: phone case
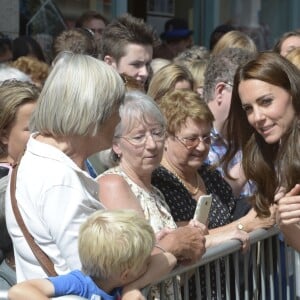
x,y
202,209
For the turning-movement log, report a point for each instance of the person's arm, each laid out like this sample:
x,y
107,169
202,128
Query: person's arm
x,y
235,234
115,193
160,265
35,289
230,233
248,223
132,295
288,216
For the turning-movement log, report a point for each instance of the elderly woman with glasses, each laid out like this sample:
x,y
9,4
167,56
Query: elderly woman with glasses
x,y
137,148
183,176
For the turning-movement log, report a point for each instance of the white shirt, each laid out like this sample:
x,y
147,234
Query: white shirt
x,y
54,197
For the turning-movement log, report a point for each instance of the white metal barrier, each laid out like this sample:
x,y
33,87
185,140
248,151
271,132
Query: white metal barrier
x,y
270,270
3,295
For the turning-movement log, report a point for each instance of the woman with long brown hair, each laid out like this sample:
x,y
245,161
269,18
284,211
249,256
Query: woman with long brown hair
x,y
264,122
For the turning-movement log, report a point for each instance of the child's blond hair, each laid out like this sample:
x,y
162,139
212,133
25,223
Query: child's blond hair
x,y
112,241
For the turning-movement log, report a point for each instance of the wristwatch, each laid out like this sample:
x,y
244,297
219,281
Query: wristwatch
x,y
240,226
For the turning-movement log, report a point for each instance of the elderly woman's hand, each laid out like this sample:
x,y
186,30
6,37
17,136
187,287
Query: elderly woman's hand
x,y
186,243
197,224
243,237
270,221
162,233
252,222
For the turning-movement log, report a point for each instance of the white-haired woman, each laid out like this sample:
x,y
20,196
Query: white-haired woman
x,y
74,118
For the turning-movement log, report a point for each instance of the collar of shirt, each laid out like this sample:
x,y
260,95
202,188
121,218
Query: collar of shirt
x,y
217,139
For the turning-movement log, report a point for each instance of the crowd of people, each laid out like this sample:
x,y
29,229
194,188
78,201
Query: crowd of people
x,y
106,149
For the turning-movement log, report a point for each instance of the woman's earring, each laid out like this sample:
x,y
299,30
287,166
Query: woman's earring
x,y
115,156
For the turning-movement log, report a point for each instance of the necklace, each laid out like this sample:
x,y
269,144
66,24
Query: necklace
x,y
189,187
140,183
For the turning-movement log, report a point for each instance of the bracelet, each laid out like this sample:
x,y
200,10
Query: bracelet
x,y
160,247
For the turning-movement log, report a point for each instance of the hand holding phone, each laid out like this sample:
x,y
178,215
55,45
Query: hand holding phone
x,y
202,209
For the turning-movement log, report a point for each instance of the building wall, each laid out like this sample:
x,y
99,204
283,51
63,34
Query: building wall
x,y
277,16
9,17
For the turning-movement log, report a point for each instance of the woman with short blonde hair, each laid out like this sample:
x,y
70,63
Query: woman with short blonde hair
x,y
234,39
168,78
294,57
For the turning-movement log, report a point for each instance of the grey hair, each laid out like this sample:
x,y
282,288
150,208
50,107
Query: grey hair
x,y
136,108
222,67
79,95
139,107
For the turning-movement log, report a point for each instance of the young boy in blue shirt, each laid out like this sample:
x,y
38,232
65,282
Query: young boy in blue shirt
x,y
115,250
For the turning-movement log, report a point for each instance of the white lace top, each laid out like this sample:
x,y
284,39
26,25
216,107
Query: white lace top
x,y
153,203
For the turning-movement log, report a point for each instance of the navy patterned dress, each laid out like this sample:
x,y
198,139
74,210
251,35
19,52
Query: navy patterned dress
x,y
183,206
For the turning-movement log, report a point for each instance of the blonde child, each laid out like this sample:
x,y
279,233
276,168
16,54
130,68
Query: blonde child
x,y
115,250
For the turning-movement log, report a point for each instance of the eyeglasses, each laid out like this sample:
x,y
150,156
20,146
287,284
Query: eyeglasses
x,y
158,135
89,31
228,83
96,30
193,142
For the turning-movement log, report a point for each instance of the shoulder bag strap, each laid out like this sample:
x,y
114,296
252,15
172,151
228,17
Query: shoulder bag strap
x,y
40,255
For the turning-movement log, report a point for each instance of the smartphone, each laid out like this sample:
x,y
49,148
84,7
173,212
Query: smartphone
x,y
202,209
